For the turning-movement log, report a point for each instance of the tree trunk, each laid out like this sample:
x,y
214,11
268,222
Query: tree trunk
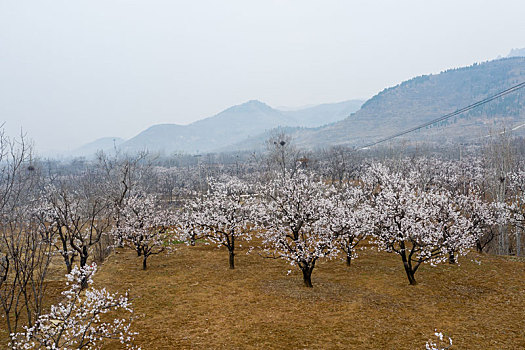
x,y
83,260
84,256
410,275
231,249
8,323
232,260
349,252
144,262
408,266
69,266
479,247
348,259
307,276
518,241
451,258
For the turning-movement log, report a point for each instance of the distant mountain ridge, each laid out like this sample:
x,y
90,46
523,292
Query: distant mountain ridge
x,y
424,98
420,100
231,126
397,108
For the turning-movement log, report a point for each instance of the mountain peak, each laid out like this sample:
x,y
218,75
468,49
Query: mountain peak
x,y
250,105
254,103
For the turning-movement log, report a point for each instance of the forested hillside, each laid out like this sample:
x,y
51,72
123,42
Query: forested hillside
x,y
423,98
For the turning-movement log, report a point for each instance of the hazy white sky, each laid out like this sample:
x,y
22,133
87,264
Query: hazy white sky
x,y
72,71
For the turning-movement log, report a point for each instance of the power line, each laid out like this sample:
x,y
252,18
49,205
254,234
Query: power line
x,y
449,115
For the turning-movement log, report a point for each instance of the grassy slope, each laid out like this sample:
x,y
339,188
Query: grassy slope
x,y
191,300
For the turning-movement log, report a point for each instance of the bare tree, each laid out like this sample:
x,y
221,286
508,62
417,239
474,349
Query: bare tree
x,y
24,270
282,156
339,163
24,255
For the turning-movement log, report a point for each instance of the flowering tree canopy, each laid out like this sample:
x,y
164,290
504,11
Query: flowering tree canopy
x,y
290,213
350,217
222,214
80,320
145,225
420,225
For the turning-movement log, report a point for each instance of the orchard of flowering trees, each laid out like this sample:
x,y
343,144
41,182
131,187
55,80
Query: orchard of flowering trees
x,y
286,204
424,214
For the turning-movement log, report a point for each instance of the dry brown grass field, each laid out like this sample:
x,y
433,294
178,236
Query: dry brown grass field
x,y
191,300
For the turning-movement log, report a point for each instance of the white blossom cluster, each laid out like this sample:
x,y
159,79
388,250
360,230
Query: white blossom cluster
x,y
517,203
79,321
350,217
440,344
